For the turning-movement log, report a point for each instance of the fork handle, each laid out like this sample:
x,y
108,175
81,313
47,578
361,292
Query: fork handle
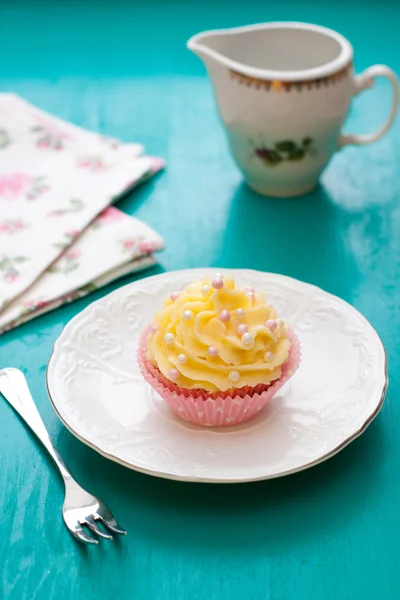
x,y
14,388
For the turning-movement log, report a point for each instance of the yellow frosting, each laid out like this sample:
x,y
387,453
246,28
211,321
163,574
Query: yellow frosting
x,y
189,328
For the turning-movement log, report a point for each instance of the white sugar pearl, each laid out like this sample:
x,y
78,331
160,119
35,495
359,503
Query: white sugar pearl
x,y
188,315
280,322
217,283
182,358
173,374
240,312
205,289
233,376
218,276
268,356
271,324
224,316
169,338
242,328
247,339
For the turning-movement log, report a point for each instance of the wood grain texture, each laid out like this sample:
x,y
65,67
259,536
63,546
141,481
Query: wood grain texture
x,y
331,533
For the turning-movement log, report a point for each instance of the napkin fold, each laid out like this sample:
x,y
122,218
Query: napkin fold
x,y
59,238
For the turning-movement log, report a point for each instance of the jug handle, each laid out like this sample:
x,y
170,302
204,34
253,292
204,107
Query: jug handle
x,y
365,81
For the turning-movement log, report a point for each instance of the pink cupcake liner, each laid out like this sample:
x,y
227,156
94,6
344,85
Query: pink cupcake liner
x,y
218,409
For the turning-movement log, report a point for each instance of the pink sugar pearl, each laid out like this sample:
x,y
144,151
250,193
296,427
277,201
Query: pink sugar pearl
x,y
174,296
249,289
217,283
154,328
173,374
212,351
224,316
242,329
271,324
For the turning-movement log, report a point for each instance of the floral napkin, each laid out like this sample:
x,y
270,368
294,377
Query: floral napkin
x,y
58,239
115,244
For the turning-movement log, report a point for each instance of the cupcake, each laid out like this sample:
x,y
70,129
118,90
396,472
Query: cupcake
x,y
217,352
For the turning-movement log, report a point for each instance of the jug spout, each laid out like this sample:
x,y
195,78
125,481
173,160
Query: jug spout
x,y
199,45
228,48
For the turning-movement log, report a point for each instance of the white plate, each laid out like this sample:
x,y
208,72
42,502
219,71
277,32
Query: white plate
x,y
97,391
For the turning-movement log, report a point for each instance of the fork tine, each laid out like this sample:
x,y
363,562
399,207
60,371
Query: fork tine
x,y
109,521
91,523
82,536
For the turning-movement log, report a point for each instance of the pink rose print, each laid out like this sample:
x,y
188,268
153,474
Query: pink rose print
x,y
10,277
50,137
128,245
110,215
69,238
67,263
73,254
8,266
110,142
37,188
139,245
72,233
74,205
10,226
91,163
32,304
146,247
14,185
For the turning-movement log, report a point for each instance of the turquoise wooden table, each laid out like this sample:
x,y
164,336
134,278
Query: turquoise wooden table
x,y
331,533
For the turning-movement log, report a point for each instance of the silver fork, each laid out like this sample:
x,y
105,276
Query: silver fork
x,y
80,509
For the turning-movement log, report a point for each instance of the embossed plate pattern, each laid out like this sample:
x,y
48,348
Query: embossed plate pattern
x,y
97,391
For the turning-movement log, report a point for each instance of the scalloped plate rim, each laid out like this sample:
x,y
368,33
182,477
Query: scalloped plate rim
x,y
165,474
